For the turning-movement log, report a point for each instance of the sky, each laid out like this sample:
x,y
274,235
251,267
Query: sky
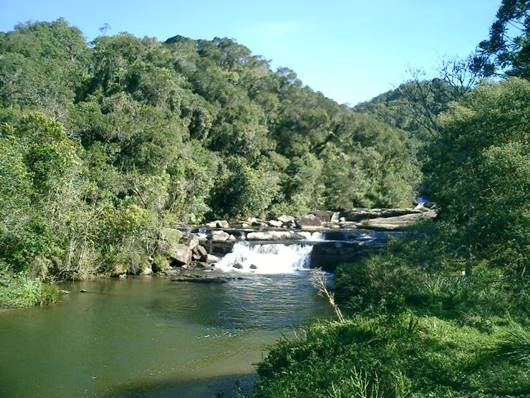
x,y
349,50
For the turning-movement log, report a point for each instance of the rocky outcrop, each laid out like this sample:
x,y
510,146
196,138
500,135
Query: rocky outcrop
x,y
398,222
361,214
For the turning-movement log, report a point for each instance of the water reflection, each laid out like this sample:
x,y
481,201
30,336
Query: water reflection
x,y
266,302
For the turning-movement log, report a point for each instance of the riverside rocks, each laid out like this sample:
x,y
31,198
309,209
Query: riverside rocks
x,y
220,236
181,254
218,224
204,246
309,221
276,223
398,222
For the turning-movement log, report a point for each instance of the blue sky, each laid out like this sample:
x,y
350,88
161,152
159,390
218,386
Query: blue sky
x,y
350,50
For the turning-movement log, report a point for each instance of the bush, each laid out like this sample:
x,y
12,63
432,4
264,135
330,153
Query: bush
x,y
19,291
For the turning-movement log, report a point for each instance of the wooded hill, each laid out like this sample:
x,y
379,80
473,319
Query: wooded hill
x,y
104,143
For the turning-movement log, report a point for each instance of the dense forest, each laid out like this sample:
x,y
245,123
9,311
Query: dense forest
x,y
105,143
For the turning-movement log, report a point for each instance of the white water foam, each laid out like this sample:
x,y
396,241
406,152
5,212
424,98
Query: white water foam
x,y
272,258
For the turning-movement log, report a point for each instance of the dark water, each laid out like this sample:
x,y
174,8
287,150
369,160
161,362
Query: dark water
x,y
150,337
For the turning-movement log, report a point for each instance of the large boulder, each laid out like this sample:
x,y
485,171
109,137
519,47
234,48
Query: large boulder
x,y
210,258
181,254
361,214
193,242
220,236
309,221
275,223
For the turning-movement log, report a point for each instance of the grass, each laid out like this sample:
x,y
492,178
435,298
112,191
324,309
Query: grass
x,y
408,356
21,291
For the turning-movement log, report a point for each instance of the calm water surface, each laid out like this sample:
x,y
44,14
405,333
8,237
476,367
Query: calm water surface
x,y
150,337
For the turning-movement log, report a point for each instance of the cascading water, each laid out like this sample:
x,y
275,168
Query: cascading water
x,y
275,258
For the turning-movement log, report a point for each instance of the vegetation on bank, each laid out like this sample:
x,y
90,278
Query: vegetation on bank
x,y
445,312
19,291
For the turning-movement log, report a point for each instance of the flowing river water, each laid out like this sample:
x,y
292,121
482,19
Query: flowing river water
x,y
151,337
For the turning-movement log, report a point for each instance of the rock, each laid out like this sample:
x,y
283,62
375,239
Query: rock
x,y
361,214
201,251
122,276
274,235
342,219
181,254
286,219
218,224
65,291
195,257
237,266
147,271
210,258
399,222
325,215
193,242
83,291
275,223
253,266
231,238
309,220
255,222
220,236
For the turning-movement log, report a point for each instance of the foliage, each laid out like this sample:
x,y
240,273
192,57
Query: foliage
x,y
484,140
19,291
103,144
508,47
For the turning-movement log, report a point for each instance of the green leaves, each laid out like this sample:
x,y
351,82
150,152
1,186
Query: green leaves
x,y
479,172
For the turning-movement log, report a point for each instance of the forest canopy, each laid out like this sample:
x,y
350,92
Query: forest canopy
x,y
106,142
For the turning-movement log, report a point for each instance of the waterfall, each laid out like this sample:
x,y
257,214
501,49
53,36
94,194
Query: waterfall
x,y
274,258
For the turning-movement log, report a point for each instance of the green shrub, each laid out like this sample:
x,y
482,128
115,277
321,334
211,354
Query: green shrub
x,y
19,291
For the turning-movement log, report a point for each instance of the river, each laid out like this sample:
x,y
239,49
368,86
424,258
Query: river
x,y
151,337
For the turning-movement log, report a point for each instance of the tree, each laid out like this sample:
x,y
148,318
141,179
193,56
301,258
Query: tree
x,y
508,47
479,174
